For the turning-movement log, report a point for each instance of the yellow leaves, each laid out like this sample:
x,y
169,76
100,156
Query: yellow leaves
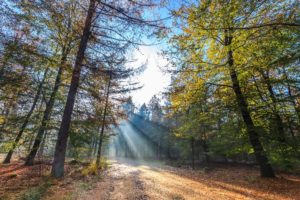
x,y
188,31
203,45
2,119
212,6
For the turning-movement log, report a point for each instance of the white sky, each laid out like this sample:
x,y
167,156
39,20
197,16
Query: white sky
x,y
153,79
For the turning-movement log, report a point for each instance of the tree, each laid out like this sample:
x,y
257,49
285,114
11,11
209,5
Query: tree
x,y
125,14
155,109
216,48
60,149
69,35
144,112
27,118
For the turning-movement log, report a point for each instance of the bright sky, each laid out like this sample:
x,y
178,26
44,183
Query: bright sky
x,y
153,79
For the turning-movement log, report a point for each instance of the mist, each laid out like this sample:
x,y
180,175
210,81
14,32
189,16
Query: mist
x,y
130,142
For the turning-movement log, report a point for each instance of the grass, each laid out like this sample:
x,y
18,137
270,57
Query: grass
x,y
85,186
37,193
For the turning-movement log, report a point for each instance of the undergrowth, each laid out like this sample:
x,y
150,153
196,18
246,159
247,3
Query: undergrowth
x,y
94,169
37,193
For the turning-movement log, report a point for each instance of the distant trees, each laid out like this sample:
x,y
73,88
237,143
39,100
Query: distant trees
x,y
144,112
152,112
129,106
155,109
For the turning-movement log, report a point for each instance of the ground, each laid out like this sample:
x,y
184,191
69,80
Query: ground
x,y
136,180
139,181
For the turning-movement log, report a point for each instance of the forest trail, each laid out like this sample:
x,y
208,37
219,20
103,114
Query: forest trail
x,y
142,180
134,180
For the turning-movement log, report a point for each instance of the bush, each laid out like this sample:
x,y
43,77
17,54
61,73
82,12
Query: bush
x,y
103,164
93,168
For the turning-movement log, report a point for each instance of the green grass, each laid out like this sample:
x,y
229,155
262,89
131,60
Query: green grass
x,y
37,193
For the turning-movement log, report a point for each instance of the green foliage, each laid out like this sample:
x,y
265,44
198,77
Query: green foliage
x,y
13,175
201,95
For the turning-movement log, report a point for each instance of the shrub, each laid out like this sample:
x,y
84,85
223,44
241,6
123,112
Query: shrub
x,y
93,168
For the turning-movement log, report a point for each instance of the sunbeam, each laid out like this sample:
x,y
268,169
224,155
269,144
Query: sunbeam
x,y
130,142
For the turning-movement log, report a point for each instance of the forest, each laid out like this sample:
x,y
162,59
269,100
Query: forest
x,y
226,126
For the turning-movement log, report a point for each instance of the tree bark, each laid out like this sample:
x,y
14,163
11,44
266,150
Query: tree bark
x,y
63,134
265,167
35,100
103,122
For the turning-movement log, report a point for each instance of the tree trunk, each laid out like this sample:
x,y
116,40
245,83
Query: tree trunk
x,y
291,97
193,152
103,122
40,153
5,114
35,100
63,134
279,124
47,113
205,149
265,167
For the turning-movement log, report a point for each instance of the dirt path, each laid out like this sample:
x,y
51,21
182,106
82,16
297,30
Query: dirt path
x,y
132,180
123,181
142,181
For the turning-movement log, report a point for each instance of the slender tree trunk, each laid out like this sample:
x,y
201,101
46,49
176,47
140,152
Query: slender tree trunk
x,y
296,106
158,150
291,97
278,120
2,128
47,113
193,152
41,149
126,155
103,122
205,149
63,134
265,167
35,100
92,147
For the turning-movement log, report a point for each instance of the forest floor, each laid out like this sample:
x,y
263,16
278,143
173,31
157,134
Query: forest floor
x,y
136,180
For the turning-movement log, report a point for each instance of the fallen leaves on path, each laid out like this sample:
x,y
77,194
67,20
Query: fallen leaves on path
x,y
15,178
133,180
144,180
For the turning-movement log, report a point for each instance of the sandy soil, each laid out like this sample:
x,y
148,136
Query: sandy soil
x,y
141,181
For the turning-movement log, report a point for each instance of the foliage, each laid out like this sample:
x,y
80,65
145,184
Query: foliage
x,y
207,100
93,168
